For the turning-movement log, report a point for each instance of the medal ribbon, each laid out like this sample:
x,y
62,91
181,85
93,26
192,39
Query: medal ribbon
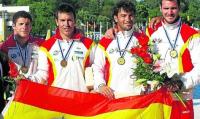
x,y
173,45
67,54
123,52
25,54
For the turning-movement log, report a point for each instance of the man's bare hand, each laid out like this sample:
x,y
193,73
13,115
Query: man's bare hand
x,y
110,33
174,85
106,91
154,21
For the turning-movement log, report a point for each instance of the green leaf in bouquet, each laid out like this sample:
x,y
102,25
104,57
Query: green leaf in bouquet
x,y
156,57
9,87
141,81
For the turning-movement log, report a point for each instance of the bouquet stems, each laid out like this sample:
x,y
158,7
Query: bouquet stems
x,y
180,99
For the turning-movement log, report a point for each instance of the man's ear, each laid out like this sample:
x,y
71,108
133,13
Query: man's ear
x,y
13,26
115,18
160,8
56,20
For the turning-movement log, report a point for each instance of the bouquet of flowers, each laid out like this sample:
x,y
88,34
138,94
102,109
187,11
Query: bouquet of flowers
x,y
150,71
145,69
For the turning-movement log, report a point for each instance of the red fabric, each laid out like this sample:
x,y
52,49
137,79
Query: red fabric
x,y
51,74
180,112
13,72
151,31
49,43
186,61
107,71
87,42
187,31
105,42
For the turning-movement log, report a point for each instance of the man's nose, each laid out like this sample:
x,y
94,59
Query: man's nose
x,y
66,23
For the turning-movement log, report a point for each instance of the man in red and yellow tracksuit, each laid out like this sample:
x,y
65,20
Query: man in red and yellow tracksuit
x,y
64,57
179,47
114,64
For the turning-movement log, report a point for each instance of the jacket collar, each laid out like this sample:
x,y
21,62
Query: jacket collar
x,y
172,26
76,36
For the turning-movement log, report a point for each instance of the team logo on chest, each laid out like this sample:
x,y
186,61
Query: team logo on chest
x,y
56,52
13,56
111,51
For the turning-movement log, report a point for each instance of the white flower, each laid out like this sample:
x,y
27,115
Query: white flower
x,y
165,67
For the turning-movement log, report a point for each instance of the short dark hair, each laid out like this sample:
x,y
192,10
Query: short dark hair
x,y
178,2
65,7
126,5
21,14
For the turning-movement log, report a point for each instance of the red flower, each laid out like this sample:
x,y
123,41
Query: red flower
x,y
142,39
144,48
13,72
143,53
134,50
147,60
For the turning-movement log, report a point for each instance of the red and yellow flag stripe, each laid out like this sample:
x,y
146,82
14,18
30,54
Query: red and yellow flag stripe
x,y
36,101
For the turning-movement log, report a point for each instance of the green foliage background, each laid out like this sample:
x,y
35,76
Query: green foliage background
x,y
98,11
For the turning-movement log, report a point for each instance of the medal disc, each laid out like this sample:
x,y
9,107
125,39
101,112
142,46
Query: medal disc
x,y
24,69
121,61
173,53
63,63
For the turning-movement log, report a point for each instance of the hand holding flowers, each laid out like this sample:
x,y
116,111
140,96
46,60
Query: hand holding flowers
x,y
11,80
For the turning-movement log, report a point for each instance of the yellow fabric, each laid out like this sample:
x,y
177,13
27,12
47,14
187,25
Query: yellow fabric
x,y
19,110
48,35
147,32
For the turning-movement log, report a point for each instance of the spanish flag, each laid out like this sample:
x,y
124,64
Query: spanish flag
x,y
36,101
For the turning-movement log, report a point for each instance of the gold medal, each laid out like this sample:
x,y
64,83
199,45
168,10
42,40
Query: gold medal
x,y
63,63
24,69
121,61
173,53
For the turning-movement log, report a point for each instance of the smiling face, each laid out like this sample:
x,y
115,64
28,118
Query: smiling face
x,y
124,20
66,24
170,11
22,28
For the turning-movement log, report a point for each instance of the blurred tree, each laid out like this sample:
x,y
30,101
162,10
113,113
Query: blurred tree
x,y
193,12
24,2
99,11
141,13
43,17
